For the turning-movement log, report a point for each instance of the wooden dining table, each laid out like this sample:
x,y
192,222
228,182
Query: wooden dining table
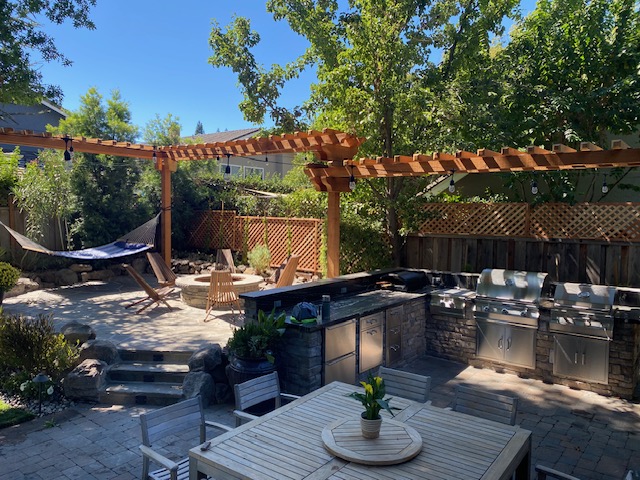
x,y
287,444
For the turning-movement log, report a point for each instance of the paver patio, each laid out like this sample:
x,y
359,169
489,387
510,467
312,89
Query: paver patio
x,y
592,436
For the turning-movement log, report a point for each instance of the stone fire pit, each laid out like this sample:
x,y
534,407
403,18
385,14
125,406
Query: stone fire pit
x,y
194,288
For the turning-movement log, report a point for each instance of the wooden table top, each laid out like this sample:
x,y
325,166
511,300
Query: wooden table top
x,y
287,444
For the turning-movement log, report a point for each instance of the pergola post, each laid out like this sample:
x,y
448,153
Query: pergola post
x,y
333,234
165,183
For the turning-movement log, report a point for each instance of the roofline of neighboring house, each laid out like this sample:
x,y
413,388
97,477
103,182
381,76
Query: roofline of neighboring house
x,y
54,107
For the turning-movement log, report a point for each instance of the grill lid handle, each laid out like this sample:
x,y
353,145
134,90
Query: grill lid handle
x,y
584,294
509,282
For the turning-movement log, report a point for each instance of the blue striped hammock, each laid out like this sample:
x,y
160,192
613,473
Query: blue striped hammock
x,y
136,241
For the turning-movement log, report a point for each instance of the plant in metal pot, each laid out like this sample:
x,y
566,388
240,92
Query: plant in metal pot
x,y
259,339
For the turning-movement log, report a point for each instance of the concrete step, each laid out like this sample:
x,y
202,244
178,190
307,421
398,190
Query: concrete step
x,y
148,372
155,356
141,393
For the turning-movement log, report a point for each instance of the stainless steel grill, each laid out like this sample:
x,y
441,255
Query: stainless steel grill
x,y
583,309
507,313
450,301
509,296
626,304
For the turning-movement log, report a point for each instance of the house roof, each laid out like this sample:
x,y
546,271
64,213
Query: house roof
x,y
227,136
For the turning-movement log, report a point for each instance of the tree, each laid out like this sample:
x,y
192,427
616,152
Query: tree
x,y
25,45
163,131
199,128
104,186
375,75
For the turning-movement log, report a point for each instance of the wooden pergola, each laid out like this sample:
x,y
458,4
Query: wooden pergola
x,y
334,164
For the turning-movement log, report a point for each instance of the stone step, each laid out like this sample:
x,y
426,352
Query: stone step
x,y
141,393
148,372
155,356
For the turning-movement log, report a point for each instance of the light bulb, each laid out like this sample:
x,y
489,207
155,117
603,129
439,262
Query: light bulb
x,y
534,187
352,183
452,186
605,187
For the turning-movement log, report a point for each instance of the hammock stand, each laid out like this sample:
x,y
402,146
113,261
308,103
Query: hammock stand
x,y
136,241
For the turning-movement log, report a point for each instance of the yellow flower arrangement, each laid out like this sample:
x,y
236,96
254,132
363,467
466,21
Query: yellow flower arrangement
x,y
373,398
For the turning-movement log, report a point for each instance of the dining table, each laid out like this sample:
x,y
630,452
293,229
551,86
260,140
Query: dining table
x,y
291,443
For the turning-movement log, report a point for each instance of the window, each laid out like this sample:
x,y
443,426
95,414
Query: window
x,y
254,171
236,170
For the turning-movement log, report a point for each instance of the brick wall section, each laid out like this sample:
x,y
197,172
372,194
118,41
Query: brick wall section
x,y
300,363
451,337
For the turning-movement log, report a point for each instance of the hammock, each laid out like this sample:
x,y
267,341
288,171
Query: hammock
x,y
136,241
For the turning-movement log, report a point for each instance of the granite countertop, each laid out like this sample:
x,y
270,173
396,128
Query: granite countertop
x,y
365,303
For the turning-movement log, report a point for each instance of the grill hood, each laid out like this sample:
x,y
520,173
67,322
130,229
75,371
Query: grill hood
x,y
511,285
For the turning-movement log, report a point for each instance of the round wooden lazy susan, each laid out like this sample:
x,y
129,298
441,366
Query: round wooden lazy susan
x,y
397,442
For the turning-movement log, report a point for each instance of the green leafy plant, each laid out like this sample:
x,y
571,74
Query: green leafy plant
x,y
373,398
257,340
259,258
29,346
12,416
9,276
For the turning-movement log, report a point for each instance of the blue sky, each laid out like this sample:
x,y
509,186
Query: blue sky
x,y
156,52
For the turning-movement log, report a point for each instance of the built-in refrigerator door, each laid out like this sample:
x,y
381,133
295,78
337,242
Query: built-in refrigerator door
x,y
342,369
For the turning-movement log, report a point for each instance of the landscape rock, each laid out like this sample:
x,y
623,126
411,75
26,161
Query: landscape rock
x,y
198,383
77,333
222,393
65,276
102,275
99,350
80,267
206,359
86,380
140,265
24,285
47,277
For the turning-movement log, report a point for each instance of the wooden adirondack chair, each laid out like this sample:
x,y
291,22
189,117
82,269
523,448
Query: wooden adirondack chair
x,y
153,295
286,272
225,257
164,274
406,385
221,292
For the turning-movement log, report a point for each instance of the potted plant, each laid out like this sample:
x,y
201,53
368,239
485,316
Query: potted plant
x,y
252,347
9,276
373,401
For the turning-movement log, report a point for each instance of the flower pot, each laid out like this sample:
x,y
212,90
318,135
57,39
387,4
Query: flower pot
x,y
240,370
370,428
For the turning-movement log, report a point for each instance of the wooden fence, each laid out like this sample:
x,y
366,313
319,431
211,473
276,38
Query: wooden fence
x,y
591,243
215,229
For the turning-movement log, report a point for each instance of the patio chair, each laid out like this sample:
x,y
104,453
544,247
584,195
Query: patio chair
x,y
155,296
221,292
546,472
492,406
406,385
158,425
164,274
255,391
225,257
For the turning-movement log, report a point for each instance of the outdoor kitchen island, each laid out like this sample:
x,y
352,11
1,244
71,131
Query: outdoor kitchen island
x,y
367,327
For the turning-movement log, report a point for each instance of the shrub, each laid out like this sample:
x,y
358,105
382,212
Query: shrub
x,y
9,276
29,346
259,258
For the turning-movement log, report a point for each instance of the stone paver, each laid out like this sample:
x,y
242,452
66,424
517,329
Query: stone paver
x,y
578,432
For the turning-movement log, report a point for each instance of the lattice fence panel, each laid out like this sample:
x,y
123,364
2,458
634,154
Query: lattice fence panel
x,y
482,219
587,221
214,229
286,235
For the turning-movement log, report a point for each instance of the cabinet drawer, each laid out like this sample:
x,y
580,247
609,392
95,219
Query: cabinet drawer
x,y
371,321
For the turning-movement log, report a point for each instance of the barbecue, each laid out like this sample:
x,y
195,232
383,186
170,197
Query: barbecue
x,y
507,313
626,304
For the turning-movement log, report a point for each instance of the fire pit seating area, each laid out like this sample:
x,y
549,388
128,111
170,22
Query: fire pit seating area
x,y
583,336
194,288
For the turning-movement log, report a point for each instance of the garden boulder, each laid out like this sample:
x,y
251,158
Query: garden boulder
x,y
86,380
99,350
66,276
206,359
198,383
77,333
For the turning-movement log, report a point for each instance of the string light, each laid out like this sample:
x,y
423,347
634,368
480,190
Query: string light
x,y
67,154
227,170
352,181
452,184
266,159
154,157
534,187
605,187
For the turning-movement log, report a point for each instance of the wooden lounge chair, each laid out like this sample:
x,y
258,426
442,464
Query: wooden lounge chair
x,y
225,257
255,391
406,385
288,275
492,406
158,425
164,274
153,295
221,292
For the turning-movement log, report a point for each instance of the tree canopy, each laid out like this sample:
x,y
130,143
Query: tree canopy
x,y
25,45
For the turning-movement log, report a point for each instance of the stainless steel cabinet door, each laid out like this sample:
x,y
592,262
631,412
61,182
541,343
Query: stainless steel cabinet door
x,y
520,346
342,369
490,340
370,348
